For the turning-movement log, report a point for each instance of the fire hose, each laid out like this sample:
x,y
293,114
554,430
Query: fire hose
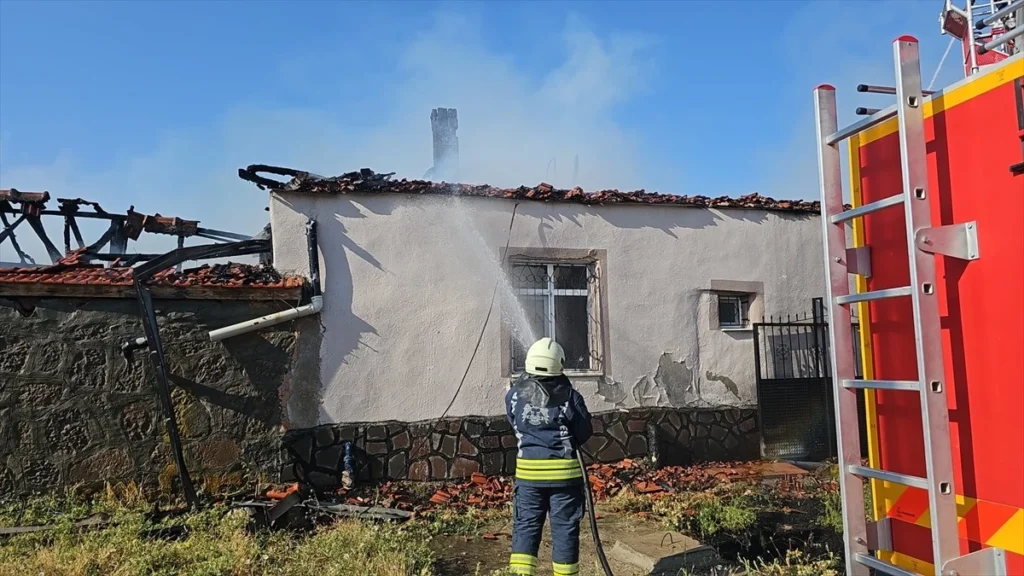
x,y
591,514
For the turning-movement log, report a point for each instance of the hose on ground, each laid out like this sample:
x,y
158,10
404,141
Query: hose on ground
x,y
589,497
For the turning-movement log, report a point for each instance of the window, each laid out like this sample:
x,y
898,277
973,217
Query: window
x,y
733,303
733,310
558,300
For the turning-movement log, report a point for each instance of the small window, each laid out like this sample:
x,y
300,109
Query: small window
x,y
733,310
558,300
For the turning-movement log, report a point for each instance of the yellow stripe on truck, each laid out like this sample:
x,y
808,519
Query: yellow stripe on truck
x,y
864,320
1006,71
979,521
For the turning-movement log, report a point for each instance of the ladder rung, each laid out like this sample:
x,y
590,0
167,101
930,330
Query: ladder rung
x,y
871,89
883,384
886,476
862,125
875,295
867,209
882,566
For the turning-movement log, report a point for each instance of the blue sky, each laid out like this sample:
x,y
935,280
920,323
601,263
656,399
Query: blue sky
x,y
158,104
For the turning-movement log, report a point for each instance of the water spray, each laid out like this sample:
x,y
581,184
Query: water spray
x,y
588,496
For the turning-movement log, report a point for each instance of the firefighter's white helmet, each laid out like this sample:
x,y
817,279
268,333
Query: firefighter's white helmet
x,y
545,358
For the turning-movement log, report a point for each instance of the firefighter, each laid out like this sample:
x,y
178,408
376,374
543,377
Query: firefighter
x,y
550,420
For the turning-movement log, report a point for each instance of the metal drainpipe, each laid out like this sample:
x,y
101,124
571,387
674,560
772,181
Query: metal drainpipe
x,y
315,305
314,256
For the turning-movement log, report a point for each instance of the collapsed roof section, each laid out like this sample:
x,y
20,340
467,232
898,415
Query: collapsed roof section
x,y
30,207
80,272
367,181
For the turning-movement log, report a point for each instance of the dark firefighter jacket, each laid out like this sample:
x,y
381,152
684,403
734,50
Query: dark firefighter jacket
x,y
549,418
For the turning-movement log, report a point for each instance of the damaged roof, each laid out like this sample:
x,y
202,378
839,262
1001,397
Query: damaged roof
x,y
72,277
74,273
367,181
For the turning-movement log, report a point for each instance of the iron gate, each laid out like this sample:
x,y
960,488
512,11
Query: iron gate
x,y
794,386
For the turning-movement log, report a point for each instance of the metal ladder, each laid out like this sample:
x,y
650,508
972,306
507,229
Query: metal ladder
x,y
923,241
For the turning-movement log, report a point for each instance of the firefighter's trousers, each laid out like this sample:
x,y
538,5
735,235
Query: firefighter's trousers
x,y
531,504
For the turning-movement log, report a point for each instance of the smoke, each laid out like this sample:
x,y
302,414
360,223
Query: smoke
x,y
513,122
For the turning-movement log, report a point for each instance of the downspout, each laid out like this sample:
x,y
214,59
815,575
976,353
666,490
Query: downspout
x,y
316,301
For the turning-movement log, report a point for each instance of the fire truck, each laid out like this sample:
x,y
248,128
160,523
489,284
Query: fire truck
x,y
926,247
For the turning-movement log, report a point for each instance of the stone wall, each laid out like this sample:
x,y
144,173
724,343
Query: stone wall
x,y
73,410
456,448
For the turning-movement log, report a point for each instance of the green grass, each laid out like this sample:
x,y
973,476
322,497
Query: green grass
x,y
832,511
796,563
832,502
72,505
468,522
629,502
729,510
217,543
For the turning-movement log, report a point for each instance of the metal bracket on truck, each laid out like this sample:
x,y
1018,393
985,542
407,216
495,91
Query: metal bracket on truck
x,y
956,241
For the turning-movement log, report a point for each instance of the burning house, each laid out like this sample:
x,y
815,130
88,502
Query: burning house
x,y
434,290
383,325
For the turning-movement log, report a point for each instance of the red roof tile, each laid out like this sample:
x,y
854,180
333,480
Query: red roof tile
x,y
69,270
14,195
368,182
157,224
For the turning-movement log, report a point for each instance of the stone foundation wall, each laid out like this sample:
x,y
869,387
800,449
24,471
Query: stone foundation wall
x,y
73,410
456,448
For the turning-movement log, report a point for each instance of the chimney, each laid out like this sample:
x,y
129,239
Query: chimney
x,y
444,122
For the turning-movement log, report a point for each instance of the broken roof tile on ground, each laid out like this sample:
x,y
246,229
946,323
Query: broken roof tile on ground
x,y
367,181
607,480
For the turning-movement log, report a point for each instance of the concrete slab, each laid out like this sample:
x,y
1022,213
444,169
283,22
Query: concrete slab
x,y
663,553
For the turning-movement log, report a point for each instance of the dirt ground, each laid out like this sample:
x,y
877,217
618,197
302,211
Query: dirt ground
x,y
470,556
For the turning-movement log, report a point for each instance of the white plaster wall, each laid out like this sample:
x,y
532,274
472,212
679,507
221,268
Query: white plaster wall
x,y
405,297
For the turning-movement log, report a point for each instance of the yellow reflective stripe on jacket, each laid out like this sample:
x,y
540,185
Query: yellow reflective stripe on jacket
x,y
552,475
548,463
523,564
548,469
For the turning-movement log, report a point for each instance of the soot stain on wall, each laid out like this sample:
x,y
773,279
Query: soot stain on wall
x,y
725,380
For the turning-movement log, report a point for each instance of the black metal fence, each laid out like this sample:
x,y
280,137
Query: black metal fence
x,y
794,386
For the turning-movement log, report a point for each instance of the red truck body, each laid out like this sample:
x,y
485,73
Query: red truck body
x,y
974,132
